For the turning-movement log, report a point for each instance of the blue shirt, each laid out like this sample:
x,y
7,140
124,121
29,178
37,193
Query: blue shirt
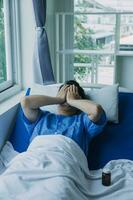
x,y
77,127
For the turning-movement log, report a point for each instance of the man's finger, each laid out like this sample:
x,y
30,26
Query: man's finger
x,y
72,88
64,87
76,90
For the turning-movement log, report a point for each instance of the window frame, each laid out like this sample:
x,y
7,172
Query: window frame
x,y
63,52
12,48
124,47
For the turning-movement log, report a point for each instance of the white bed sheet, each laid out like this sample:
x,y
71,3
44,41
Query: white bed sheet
x,y
55,168
6,155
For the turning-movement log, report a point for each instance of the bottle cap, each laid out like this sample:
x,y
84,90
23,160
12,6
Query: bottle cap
x,y
106,171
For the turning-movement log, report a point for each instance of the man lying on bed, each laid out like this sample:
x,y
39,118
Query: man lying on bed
x,y
78,118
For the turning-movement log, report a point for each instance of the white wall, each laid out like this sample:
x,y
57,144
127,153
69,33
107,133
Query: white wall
x,y
27,28
125,71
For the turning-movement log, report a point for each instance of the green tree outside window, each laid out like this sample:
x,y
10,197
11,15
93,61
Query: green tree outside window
x,y
3,76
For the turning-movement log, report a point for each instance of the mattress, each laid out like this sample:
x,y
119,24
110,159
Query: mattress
x,y
116,141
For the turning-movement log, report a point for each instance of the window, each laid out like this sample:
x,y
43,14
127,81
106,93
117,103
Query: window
x,y
101,29
96,33
9,46
126,32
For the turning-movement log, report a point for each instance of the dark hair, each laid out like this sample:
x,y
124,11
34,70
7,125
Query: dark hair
x,y
80,89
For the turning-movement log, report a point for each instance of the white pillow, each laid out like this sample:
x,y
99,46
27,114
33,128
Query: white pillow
x,y
107,97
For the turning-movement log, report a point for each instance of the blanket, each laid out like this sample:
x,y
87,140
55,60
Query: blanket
x,y
6,155
55,168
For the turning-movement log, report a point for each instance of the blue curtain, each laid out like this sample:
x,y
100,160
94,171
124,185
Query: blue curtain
x,y
43,73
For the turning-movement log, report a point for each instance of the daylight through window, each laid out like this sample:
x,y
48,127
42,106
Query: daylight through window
x,y
3,69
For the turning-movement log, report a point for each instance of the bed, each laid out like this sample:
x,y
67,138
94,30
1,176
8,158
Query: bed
x,y
116,142
59,169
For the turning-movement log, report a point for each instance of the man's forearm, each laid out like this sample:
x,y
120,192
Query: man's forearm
x,y
36,101
92,109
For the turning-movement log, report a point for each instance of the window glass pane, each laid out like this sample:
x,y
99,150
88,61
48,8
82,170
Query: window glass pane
x,y
105,5
83,74
105,75
83,68
94,32
105,70
120,5
100,75
100,69
3,73
126,32
106,60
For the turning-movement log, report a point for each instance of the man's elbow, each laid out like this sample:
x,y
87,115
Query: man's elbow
x,y
98,110
24,102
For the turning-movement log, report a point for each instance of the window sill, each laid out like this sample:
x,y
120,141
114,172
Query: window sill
x,y
12,96
9,98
